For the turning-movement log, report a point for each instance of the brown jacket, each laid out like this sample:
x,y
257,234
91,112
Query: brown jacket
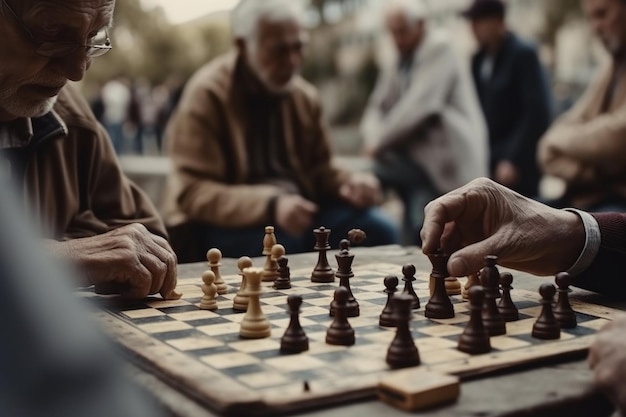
x,y
70,177
210,180
586,147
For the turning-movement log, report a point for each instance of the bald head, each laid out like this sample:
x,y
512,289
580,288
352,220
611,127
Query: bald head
x,y
405,22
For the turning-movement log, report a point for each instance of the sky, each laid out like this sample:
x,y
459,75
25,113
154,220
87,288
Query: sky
x,y
180,11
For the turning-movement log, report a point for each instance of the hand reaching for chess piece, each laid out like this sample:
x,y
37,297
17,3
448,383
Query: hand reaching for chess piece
x,y
484,217
607,358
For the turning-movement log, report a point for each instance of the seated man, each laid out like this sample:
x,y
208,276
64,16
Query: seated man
x,y
60,158
423,125
250,149
586,147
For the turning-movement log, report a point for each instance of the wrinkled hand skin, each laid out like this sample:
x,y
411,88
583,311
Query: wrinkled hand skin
x,y
130,261
485,218
607,359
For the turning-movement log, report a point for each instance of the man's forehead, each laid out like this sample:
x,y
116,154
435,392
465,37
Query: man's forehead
x,y
93,7
283,29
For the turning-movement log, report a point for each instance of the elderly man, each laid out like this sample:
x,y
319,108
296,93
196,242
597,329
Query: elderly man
x,y
423,124
61,159
514,96
586,147
249,149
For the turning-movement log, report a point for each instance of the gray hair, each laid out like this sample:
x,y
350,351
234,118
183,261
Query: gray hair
x,y
412,10
248,13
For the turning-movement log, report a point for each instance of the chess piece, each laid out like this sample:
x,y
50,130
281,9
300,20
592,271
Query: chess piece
x,y
294,340
475,338
270,268
402,352
356,236
506,307
209,289
490,280
439,306
277,251
254,324
472,279
546,327
322,271
565,315
453,286
386,317
283,282
408,274
240,302
214,256
340,332
344,273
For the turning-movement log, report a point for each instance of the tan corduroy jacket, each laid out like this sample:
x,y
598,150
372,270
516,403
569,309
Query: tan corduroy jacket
x,y
586,147
210,180
70,177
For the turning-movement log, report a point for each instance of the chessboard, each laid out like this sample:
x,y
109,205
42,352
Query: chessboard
x,y
201,353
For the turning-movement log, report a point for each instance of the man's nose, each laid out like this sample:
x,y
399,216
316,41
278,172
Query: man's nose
x,y
74,66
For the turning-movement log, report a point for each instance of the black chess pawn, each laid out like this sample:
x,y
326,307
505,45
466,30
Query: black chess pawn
x,y
490,280
506,307
475,338
344,273
565,315
546,327
283,281
408,273
294,340
322,271
402,352
340,332
439,306
386,317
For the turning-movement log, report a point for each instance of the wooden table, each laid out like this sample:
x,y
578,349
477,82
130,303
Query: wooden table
x,y
548,390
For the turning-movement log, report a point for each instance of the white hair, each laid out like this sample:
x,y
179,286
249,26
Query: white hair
x,y
412,10
248,13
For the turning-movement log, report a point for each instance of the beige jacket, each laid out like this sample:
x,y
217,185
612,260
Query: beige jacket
x,y
70,177
206,142
453,149
586,147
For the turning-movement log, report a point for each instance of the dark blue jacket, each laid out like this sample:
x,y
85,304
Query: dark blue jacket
x,y
516,102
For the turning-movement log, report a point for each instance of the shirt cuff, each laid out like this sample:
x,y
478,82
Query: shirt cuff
x,y
592,242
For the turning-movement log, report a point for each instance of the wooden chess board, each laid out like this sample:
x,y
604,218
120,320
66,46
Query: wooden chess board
x,y
200,352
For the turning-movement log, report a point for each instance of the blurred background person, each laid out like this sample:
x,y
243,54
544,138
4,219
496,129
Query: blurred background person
x,y
249,148
116,99
586,147
423,126
514,95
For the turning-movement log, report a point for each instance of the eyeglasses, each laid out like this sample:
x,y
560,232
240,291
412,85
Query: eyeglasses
x,y
98,45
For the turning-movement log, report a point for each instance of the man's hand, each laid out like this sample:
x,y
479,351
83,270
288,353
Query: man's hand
x,y
607,359
362,190
294,214
506,174
130,258
486,218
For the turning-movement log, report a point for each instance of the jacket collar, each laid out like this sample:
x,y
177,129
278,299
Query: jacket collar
x,y
31,132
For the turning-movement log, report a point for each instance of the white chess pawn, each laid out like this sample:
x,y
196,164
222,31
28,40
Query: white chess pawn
x,y
270,268
209,289
214,256
240,302
254,324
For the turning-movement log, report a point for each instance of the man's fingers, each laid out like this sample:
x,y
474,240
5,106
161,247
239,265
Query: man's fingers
x,y
140,282
470,259
436,214
157,269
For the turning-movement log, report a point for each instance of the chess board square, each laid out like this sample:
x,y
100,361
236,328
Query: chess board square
x,y
256,345
190,290
220,329
283,323
431,357
520,326
194,343
142,313
291,363
193,315
425,344
504,342
383,336
164,326
229,360
167,303
179,309
458,318
441,330
320,301
595,324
